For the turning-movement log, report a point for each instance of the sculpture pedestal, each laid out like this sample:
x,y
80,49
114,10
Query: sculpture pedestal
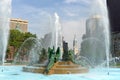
x,y
60,67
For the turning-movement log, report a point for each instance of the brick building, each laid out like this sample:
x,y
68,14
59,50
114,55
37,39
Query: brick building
x,y
19,24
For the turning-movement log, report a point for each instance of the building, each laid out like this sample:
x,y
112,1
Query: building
x,y
93,45
19,24
94,26
114,16
75,46
65,51
115,44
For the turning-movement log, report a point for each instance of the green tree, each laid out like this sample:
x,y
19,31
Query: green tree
x,y
28,34
16,39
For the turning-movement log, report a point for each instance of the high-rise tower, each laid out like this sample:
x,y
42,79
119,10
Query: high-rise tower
x,y
75,46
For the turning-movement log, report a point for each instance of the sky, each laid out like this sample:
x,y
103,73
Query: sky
x,y
40,15
68,10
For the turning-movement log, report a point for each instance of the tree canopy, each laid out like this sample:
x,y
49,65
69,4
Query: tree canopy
x,y
16,38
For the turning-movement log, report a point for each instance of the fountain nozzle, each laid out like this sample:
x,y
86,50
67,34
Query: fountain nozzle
x,y
108,73
2,70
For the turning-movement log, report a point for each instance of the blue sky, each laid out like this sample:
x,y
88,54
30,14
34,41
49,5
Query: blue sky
x,y
73,14
65,8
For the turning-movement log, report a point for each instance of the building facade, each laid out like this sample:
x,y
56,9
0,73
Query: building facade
x,y
94,26
115,44
75,46
19,24
93,45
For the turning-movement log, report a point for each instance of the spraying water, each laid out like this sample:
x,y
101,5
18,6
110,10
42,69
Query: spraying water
x,y
96,45
58,33
104,13
5,11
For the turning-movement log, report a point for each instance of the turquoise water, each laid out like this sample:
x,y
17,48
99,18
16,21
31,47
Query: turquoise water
x,y
16,73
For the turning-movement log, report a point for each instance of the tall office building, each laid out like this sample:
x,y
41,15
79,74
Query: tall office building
x,y
75,46
93,44
19,24
93,26
114,16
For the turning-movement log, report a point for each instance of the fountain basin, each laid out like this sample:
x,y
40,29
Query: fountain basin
x,y
16,73
59,67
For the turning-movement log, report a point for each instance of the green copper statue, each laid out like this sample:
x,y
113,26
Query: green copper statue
x,y
53,58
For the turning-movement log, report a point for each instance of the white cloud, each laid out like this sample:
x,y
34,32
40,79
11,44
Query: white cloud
x,y
70,1
86,1
75,12
38,19
69,12
78,1
80,9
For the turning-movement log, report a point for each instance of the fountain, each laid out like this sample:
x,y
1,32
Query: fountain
x,y
94,51
97,35
5,11
58,34
32,51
